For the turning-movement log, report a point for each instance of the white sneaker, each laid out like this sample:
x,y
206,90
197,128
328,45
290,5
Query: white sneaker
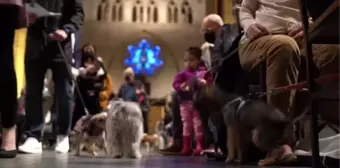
x,y
31,146
63,144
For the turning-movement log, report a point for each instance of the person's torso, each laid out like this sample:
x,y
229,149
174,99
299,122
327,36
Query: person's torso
x,y
187,76
48,23
276,15
129,92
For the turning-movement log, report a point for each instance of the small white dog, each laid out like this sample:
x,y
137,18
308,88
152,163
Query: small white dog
x,y
124,129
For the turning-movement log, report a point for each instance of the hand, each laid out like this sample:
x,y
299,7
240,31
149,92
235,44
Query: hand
x,y
184,87
295,31
138,91
202,82
58,35
91,93
82,72
256,31
90,68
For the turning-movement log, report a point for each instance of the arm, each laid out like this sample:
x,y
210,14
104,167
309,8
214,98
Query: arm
x,y
73,13
216,54
108,87
178,80
120,91
247,13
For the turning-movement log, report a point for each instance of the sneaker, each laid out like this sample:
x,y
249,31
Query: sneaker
x,y
31,146
63,144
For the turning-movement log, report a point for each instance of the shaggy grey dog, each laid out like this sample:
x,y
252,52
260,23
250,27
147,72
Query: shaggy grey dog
x,y
124,129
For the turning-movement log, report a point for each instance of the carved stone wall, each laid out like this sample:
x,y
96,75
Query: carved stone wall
x,y
114,24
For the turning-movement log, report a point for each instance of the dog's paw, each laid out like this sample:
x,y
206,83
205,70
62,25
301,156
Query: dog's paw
x,y
77,154
136,155
117,156
94,153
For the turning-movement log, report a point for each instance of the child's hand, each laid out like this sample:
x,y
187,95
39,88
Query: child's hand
x,y
184,87
202,82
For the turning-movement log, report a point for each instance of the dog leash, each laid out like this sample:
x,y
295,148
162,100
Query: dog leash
x,y
296,86
68,67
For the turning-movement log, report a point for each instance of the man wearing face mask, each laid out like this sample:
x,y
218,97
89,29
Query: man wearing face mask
x,y
133,90
223,39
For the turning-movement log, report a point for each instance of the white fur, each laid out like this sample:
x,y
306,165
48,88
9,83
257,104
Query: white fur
x,y
124,129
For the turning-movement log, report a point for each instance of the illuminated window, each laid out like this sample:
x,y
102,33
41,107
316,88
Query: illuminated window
x,y
172,12
187,12
144,57
117,10
102,10
138,12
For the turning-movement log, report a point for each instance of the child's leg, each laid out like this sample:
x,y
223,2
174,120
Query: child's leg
x,y
199,132
186,115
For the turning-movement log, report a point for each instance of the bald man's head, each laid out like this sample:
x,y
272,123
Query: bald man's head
x,y
212,20
211,26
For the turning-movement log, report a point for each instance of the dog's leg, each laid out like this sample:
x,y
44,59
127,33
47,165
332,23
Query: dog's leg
x,y
79,143
116,148
134,150
230,143
104,143
240,145
92,149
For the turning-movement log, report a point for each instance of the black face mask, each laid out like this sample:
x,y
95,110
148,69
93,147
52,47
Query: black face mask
x,y
127,78
210,37
87,54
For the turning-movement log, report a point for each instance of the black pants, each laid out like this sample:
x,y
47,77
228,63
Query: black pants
x,y
8,83
41,56
145,121
177,125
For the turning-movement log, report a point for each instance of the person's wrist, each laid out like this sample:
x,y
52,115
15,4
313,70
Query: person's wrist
x,y
68,31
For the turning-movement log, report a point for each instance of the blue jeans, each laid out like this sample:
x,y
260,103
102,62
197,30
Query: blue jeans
x,y
35,74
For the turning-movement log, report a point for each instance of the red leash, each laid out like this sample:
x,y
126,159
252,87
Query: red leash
x,y
300,85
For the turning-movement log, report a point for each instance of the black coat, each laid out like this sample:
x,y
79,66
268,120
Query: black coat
x,y
72,19
225,60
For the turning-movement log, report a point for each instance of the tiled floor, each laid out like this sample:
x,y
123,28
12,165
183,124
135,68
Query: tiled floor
x,y
51,160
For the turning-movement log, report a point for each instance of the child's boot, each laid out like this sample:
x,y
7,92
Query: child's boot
x,y
199,145
186,147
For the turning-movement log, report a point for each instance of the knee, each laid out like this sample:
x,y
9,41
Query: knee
x,y
327,56
283,50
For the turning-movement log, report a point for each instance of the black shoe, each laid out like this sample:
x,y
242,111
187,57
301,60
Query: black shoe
x,y
172,150
8,154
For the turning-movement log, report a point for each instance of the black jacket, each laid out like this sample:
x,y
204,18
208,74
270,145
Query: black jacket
x,y
72,15
71,19
225,60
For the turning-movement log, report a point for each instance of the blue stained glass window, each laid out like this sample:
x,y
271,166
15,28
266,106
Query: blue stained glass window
x,y
144,57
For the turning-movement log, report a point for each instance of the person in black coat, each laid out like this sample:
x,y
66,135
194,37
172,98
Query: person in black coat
x,y
42,53
9,16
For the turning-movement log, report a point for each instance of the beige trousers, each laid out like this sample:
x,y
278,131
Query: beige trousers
x,y
283,56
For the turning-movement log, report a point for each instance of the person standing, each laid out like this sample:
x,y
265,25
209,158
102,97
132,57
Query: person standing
x,y
42,53
133,90
9,17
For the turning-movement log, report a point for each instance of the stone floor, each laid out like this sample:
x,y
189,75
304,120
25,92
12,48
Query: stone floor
x,y
51,160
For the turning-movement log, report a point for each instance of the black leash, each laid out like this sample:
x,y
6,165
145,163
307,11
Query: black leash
x,y
68,67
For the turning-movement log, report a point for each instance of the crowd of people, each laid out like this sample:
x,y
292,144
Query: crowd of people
x,y
273,34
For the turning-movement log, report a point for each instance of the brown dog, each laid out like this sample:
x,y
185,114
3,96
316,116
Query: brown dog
x,y
90,133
